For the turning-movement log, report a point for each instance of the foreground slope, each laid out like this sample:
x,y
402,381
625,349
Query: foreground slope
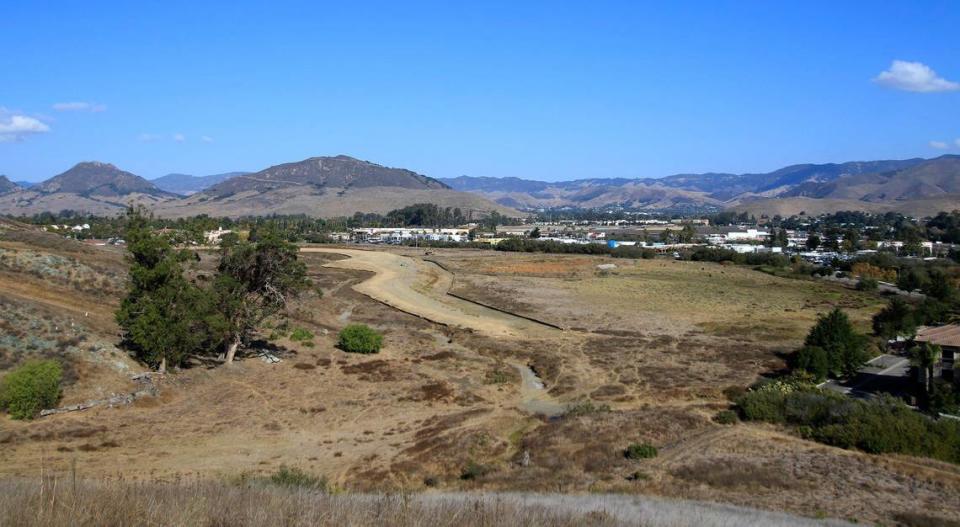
x,y
652,345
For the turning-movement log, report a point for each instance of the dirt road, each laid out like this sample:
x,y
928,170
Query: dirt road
x,y
418,287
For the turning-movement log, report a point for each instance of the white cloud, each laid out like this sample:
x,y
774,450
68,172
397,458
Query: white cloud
x,y
915,77
148,138
179,138
939,145
79,106
208,139
16,127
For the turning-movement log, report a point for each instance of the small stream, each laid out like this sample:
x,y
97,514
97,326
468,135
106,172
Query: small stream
x,y
533,394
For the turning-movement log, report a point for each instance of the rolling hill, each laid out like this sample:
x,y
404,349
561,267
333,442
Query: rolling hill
x,y
327,187
93,178
91,187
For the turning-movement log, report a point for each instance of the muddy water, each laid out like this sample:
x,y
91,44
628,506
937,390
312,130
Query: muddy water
x,y
533,394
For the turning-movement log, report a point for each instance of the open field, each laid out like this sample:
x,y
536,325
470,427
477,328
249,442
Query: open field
x,y
652,344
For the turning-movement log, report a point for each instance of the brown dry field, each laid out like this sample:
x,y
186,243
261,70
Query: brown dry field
x,y
656,340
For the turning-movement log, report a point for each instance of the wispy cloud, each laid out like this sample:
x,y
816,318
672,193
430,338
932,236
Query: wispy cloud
x,y
148,138
206,138
915,77
957,142
939,145
179,138
79,106
16,127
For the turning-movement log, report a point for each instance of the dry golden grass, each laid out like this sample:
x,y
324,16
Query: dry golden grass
x,y
656,341
65,502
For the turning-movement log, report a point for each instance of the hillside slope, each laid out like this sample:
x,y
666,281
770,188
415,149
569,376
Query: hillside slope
x,y
6,185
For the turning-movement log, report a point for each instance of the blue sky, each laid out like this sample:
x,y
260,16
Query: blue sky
x,y
543,90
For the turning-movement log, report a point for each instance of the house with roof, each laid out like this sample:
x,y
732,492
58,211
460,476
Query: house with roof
x,y
948,338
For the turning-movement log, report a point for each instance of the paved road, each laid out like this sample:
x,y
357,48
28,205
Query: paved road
x,y
884,374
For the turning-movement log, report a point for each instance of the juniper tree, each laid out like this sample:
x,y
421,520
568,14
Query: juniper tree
x,y
254,282
164,318
845,348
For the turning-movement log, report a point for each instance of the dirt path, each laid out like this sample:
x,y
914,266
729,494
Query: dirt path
x,y
418,287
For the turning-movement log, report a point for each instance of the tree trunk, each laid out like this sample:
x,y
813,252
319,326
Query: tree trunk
x,y
163,365
232,350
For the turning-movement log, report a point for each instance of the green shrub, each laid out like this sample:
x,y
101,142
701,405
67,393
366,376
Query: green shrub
x,y
301,334
875,426
813,360
726,417
640,451
360,338
296,478
766,405
867,284
31,387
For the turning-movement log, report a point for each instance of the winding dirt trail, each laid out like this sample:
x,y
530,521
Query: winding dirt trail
x,y
420,288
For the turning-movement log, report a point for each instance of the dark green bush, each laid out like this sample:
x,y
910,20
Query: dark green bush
x,y
640,451
875,426
766,405
726,417
813,360
31,387
867,284
360,338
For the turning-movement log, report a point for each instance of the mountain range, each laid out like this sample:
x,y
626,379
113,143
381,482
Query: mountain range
x,y
318,186
342,186
910,185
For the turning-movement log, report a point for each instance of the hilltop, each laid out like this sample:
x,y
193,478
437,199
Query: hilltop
x,y
90,186
93,178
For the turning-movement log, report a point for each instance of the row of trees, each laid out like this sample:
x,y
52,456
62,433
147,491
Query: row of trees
x,y
290,227
167,317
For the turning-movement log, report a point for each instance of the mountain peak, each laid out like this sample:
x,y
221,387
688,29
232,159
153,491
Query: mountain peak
x,y
341,172
90,178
